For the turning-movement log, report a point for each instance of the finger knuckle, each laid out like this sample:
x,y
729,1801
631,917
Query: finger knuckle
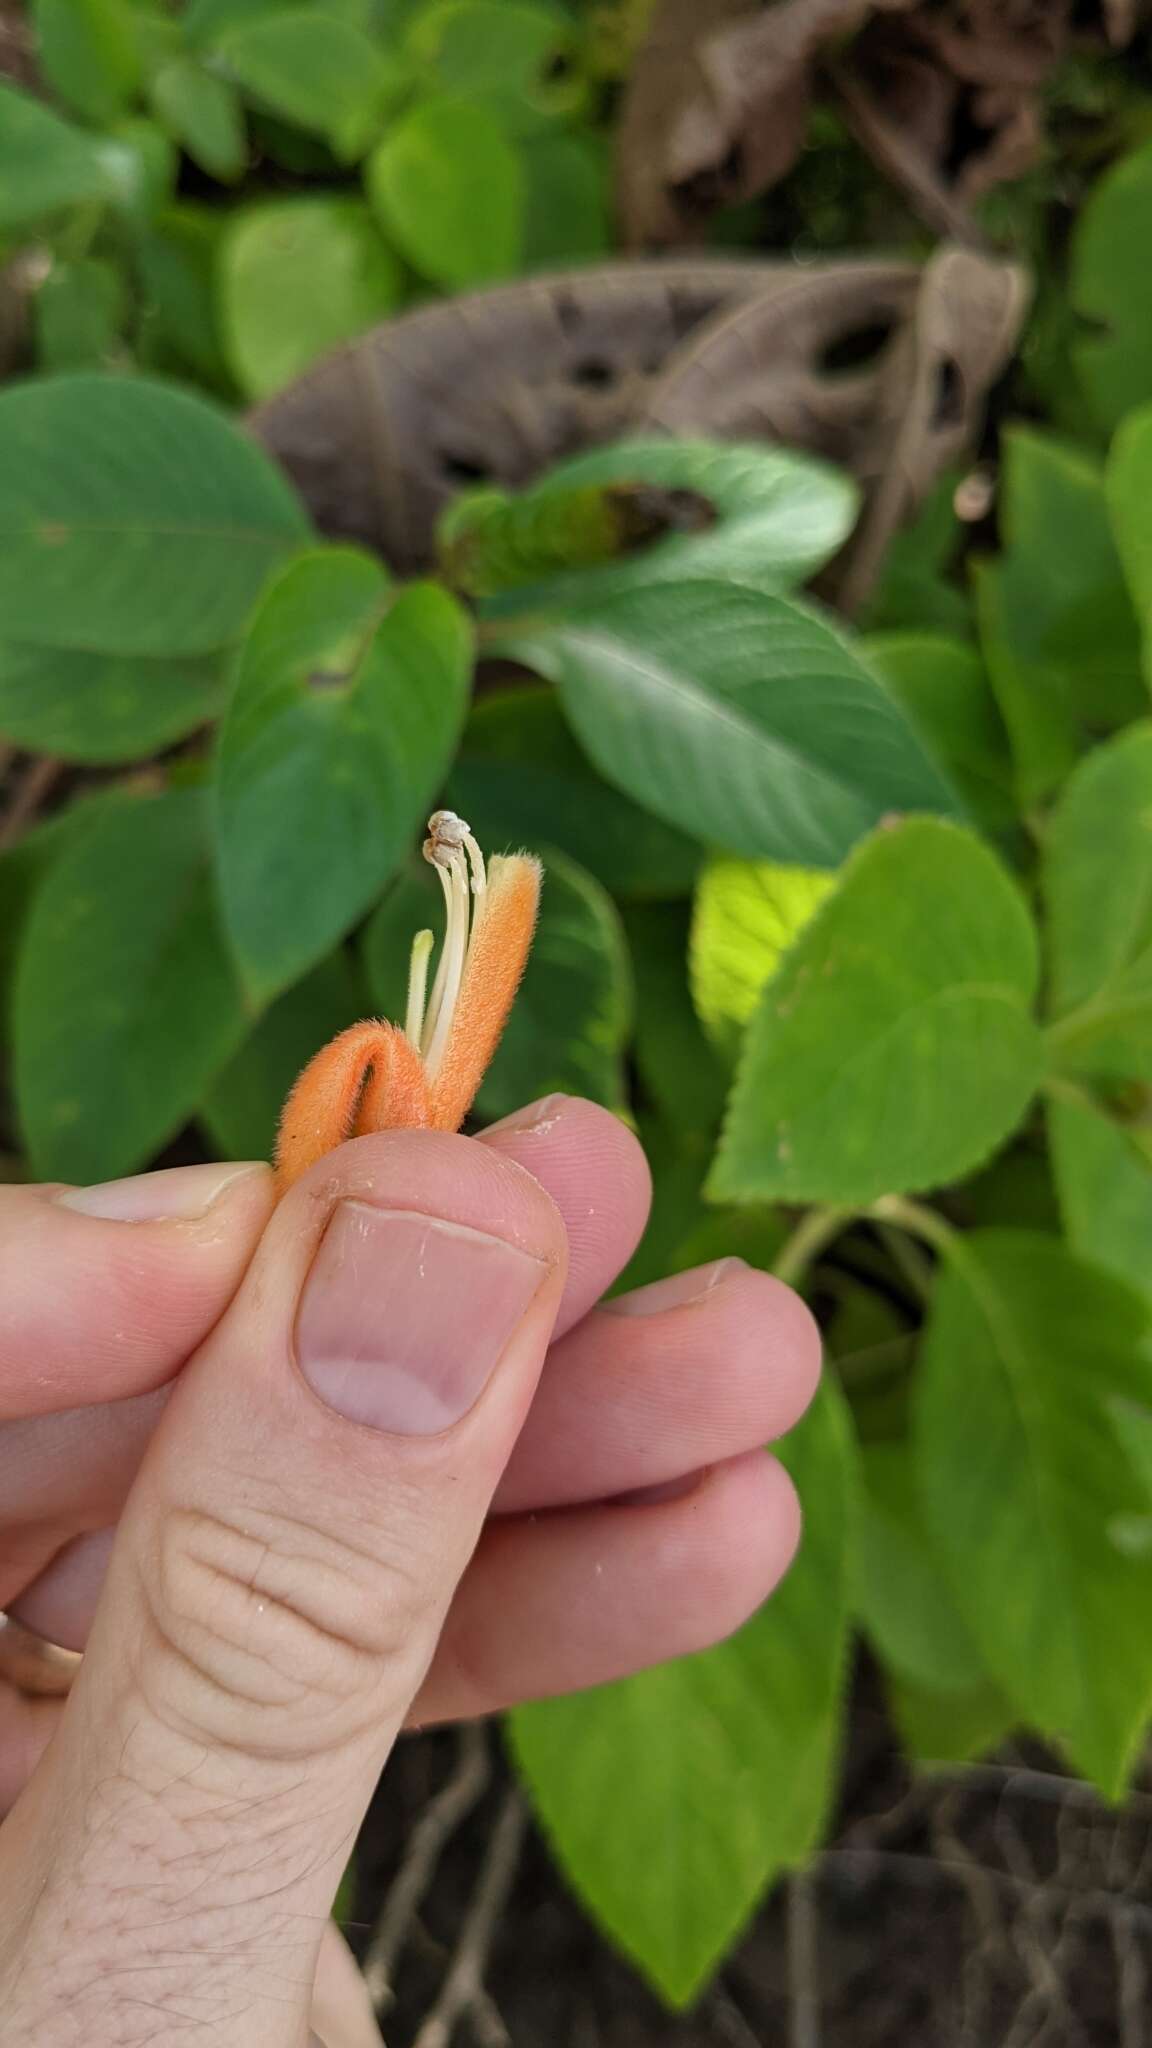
x,y
274,1636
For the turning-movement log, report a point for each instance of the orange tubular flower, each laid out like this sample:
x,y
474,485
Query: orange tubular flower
x,y
377,1077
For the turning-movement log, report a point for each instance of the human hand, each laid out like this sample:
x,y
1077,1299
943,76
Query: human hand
x,y
287,1585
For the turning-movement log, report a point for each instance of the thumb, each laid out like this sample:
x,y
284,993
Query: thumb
x,y
276,1591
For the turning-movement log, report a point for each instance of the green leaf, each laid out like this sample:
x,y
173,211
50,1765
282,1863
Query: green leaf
x,y
1097,881
22,869
242,1108
903,1598
895,1049
1058,631
1111,289
135,518
671,1800
568,214
1129,486
497,51
87,54
102,708
915,591
521,780
1023,1478
746,915
315,69
681,1072
154,163
758,516
1104,1175
204,115
177,259
942,688
79,308
738,716
571,1018
125,1003
297,277
449,189
950,1727
47,165
347,706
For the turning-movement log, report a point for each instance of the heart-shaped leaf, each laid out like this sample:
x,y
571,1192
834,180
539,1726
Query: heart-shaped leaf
x,y
896,1048
760,516
347,705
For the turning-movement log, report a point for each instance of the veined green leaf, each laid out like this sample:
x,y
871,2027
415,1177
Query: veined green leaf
x,y
745,917
737,716
125,1004
896,1048
1097,881
134,518
1024,1480
672,1799
347,705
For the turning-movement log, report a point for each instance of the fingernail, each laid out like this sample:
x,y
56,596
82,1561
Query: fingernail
x,y
176,1193
675,1292
659,1496
404,1317
539,1116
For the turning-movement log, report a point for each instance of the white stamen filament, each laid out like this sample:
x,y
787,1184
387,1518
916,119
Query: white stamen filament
x,y
421,954
449,839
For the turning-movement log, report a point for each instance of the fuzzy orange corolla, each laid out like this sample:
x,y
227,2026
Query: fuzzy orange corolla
x,y
378,1077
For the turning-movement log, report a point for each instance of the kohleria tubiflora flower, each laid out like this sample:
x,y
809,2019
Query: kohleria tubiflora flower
x,y
424,1075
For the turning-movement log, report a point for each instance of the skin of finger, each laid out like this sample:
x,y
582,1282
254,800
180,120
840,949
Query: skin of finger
x,y
66,1472
342,2015
595,1170
26,1727
97,1310
578,1598
167,1720
630,1401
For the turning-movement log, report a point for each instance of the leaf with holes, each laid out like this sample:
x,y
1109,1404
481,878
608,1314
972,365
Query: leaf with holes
x,y
347,706
759,516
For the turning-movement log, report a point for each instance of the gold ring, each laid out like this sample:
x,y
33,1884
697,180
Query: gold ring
x,y
37,1668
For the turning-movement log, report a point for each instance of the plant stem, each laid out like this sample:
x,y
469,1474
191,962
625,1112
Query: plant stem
x,y
918,1220
815,1229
